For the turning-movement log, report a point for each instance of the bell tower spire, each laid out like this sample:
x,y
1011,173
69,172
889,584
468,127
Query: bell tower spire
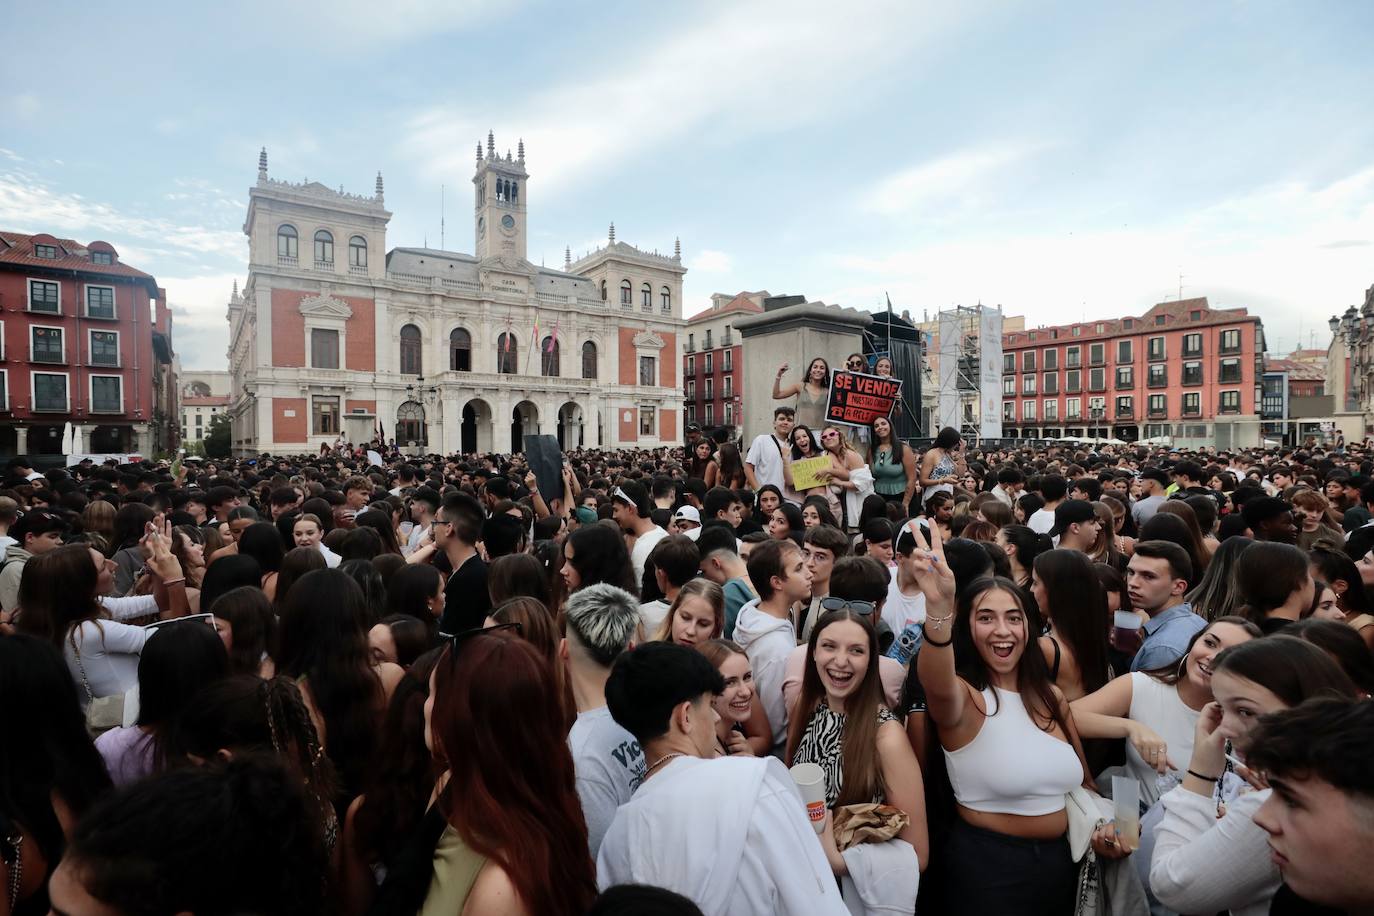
x,y
499,203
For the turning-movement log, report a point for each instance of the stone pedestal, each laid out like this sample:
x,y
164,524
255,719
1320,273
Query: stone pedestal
x,y
794,334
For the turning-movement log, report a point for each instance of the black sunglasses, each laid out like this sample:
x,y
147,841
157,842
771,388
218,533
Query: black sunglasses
x,y
865,608
457,639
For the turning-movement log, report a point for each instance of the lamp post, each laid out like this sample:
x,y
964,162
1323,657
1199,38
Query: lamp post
x,y
1097,414
427,398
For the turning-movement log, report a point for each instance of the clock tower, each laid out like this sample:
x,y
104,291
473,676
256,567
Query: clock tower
x,y
499,203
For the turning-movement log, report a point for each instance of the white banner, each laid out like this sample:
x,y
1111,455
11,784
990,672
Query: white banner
x,y
947,410
990,372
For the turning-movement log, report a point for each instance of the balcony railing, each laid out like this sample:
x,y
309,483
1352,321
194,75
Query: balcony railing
x,y
1125,413
285,261
325,265
357,271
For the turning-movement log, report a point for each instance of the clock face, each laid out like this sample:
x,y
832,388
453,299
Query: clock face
x,y
507,222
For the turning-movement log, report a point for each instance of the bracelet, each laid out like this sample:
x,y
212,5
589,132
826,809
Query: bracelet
x,y
166,582
931,642
929,619
1196,775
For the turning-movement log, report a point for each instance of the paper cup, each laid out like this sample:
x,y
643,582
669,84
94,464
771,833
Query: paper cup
x,y
810,780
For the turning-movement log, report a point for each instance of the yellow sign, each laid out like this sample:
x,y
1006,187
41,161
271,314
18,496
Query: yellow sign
x,y
804,473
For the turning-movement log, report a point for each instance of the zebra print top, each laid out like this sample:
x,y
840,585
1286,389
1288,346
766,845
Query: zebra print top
x,y
823,744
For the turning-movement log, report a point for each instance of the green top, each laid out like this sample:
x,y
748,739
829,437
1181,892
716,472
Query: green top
x,y
455,872
889,477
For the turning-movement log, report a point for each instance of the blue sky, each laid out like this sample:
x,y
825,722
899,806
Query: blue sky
x,y
1067,160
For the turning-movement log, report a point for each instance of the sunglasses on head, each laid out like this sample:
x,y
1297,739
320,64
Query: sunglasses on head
x,y
456,640
865,608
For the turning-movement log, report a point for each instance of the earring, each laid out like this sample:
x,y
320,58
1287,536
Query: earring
x,y
1182,667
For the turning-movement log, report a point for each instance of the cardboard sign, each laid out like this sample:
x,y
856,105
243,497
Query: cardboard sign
x,y
858,399
545,459
804,472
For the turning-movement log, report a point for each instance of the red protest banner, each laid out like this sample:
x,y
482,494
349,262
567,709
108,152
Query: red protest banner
x,y
858,399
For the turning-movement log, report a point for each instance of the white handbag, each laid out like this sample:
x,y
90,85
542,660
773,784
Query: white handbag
x,y
102,713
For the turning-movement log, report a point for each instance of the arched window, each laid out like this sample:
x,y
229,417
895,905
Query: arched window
x,y
665,296
646,297
287,242
411,363
515,192
603,290
548,357
324,247
507,357
589,360
460,350
626,294
357,251
410,424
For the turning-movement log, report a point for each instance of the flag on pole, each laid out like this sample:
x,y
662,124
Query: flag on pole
x,y
553,340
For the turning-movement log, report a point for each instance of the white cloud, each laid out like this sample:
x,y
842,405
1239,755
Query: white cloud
x,y
708,261
11,155
957,178
200,330
739,69
1270,250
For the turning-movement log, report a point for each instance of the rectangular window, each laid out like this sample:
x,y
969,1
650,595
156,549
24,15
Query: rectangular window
x,y
45,251
1157,405
1192,373
1009,411
691,342
1158,377
1073,357
729,386
1230,402
729,418
45,297
1051,359
324,416
691,365
648,373
1230,340
1156,348
107,394
1028,361
646,420
100,302
709,368
1230,371
1125,351
105,348
1028,384
691,413
1028,411
1097,354
1192,404
727,360
1073,408
1192,345
1072,382
47,345
710,413
707,389
4,389
1008,362
50,391
1125,407
1097,408
1051,383
1125,377
324,349
692,389
102,257
1097,379
1051,410
1009,384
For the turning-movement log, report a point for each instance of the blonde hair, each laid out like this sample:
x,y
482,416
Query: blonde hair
x,y
695,588
844,440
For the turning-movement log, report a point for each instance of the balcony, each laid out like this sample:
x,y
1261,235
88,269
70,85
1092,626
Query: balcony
x,y
1157,381
727,341
325,265
1157,412
1192,410
1124,413
357,270
285,261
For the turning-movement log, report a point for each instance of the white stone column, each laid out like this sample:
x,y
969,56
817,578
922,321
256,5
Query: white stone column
x,y
144,439
500,424
21,440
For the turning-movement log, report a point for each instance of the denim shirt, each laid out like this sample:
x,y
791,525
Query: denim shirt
x,y
1166,637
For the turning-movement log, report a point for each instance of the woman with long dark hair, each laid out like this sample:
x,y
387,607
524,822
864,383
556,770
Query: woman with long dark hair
x,y
893,464
805,445
990,697
785,523
840,723
811,392
1276,586
1343,575
296,563
731,474
417,589
324,649
1217,594
1074,609
942,463
768,498
50,772
248,628
1022,546
700,464
505,826
380,522
261,541
130,525
594,554
517,575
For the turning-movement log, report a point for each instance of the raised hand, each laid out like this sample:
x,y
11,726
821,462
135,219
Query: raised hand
x,y
157,543
931,570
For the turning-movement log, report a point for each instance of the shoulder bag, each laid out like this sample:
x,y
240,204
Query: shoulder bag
x,y
102,713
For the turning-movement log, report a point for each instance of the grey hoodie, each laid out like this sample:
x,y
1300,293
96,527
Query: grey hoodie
x,y
15,558
767,640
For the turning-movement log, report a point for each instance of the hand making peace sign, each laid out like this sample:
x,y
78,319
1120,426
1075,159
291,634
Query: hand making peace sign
x,y
931,570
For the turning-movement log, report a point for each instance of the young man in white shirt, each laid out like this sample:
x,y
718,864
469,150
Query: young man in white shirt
x,y
764,462
1076,525
1053,487
675,561
731,834
424,505
602,621
630,507
764,630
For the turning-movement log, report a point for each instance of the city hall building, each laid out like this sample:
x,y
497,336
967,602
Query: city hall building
x,y
333,334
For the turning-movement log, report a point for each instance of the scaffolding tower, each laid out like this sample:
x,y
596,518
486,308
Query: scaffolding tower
x,y
970,371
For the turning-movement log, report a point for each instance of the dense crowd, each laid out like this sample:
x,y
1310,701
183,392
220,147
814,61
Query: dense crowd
x,y
1045,680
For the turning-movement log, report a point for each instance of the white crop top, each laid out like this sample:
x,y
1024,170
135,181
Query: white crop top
x,y
1011,766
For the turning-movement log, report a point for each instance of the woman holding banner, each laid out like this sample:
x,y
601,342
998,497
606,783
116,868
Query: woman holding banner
x,y
848,477
812,392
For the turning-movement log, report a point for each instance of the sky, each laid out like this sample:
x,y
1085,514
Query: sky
x,y
1064,160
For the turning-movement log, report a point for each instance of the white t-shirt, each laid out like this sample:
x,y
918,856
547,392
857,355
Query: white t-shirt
x,y
652,613
765,454
900,610
1159,707
644,544
1042,521
609,765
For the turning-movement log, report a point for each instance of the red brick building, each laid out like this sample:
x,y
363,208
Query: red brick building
x,y
713,361
1183,370
85,339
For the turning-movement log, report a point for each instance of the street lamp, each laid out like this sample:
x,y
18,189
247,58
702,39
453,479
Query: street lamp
x,y
1097,414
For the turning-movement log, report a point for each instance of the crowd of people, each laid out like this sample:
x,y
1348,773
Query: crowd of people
x,y
1016,680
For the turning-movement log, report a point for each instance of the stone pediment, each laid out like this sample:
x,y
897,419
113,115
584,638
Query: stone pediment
x,y
648,340
325,306
503,264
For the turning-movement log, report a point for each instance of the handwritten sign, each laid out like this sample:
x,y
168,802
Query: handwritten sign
x,y
858,399
804,473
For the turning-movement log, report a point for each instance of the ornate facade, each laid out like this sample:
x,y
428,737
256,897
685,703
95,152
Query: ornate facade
x,y
447,352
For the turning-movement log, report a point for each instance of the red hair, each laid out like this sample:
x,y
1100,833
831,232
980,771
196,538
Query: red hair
x,y
512,793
